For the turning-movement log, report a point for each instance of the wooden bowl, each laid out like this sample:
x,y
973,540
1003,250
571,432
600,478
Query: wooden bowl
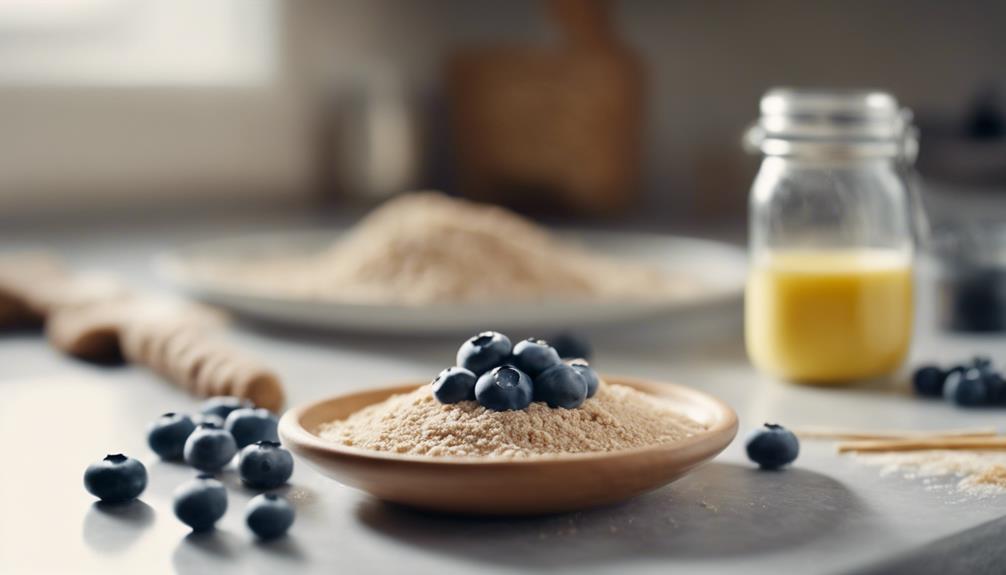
x,y
481,486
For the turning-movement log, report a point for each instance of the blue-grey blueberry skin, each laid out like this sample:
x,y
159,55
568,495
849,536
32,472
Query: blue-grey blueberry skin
x,y
209,448
249,425
928,381
454,384
167,434
116,478
772,446
533,356
588,374
269,515
201,502
504,388
484,352
222,405
967,388
569,346
560,386
265,464
996,386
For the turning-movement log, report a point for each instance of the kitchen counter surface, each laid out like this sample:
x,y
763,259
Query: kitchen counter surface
x,y
828,514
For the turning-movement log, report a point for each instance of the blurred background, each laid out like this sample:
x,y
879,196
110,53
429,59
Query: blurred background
x,y
629,109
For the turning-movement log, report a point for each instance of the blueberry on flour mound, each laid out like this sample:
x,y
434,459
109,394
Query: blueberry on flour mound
x,y
454,384
484,351
534,356
773,446
504,388
561,386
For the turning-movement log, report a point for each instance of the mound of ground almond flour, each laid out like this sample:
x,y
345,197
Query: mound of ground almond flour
x,y
618,417
425,248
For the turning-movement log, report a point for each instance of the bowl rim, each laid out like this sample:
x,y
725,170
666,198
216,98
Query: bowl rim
x,y
292,431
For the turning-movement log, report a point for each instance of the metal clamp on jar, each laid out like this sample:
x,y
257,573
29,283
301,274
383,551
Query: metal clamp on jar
x,y
829,295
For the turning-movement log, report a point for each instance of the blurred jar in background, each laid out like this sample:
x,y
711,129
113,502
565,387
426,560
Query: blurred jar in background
x,y
551,128
830,291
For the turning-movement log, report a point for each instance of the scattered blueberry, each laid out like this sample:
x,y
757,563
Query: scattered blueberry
x,y
454,384
222,405
533,356
928,381
484,352
772,446
571,346
116,478
200,503
269,516
967,389
167,434
265,465
504,388
249,425
560,386
588,374
209,448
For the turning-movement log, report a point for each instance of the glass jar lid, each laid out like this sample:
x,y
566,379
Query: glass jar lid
x,y
832,124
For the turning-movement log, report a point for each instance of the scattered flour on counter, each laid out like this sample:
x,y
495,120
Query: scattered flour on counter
x,y
618,417
978,473
427,248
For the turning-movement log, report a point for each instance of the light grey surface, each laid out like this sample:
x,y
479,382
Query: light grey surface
x,y
826,515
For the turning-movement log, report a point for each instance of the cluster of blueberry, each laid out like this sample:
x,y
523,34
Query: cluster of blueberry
x,y
501,376
976,383
208,442
772,446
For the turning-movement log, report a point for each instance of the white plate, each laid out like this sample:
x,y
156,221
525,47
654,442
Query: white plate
x,y
719,268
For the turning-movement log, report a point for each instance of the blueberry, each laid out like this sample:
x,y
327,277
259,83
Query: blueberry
x,y
483,352
571,346
560,386
504,388
116,478
588,374
209,448
200,503
967,389
249,425
454,384
265,465
533,356
269,516
222,405
772,446
928,381
996,387
167,434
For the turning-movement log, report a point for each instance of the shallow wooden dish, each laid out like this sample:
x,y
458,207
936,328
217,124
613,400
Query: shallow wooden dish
x,y
547,484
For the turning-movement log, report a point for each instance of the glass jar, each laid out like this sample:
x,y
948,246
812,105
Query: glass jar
x,y
829,295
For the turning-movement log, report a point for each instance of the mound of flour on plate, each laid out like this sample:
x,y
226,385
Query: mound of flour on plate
x,y
427,248
618,417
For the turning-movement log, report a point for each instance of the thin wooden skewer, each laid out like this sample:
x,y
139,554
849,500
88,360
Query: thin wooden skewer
x,y
843,433
966,443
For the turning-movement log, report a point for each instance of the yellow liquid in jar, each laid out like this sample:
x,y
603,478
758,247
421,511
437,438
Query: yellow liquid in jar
x,y
829,316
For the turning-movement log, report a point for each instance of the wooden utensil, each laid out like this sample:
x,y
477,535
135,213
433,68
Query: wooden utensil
x,y
497,486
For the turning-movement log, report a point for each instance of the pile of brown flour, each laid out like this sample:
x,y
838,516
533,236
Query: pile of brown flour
x,y
618,417
427,248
